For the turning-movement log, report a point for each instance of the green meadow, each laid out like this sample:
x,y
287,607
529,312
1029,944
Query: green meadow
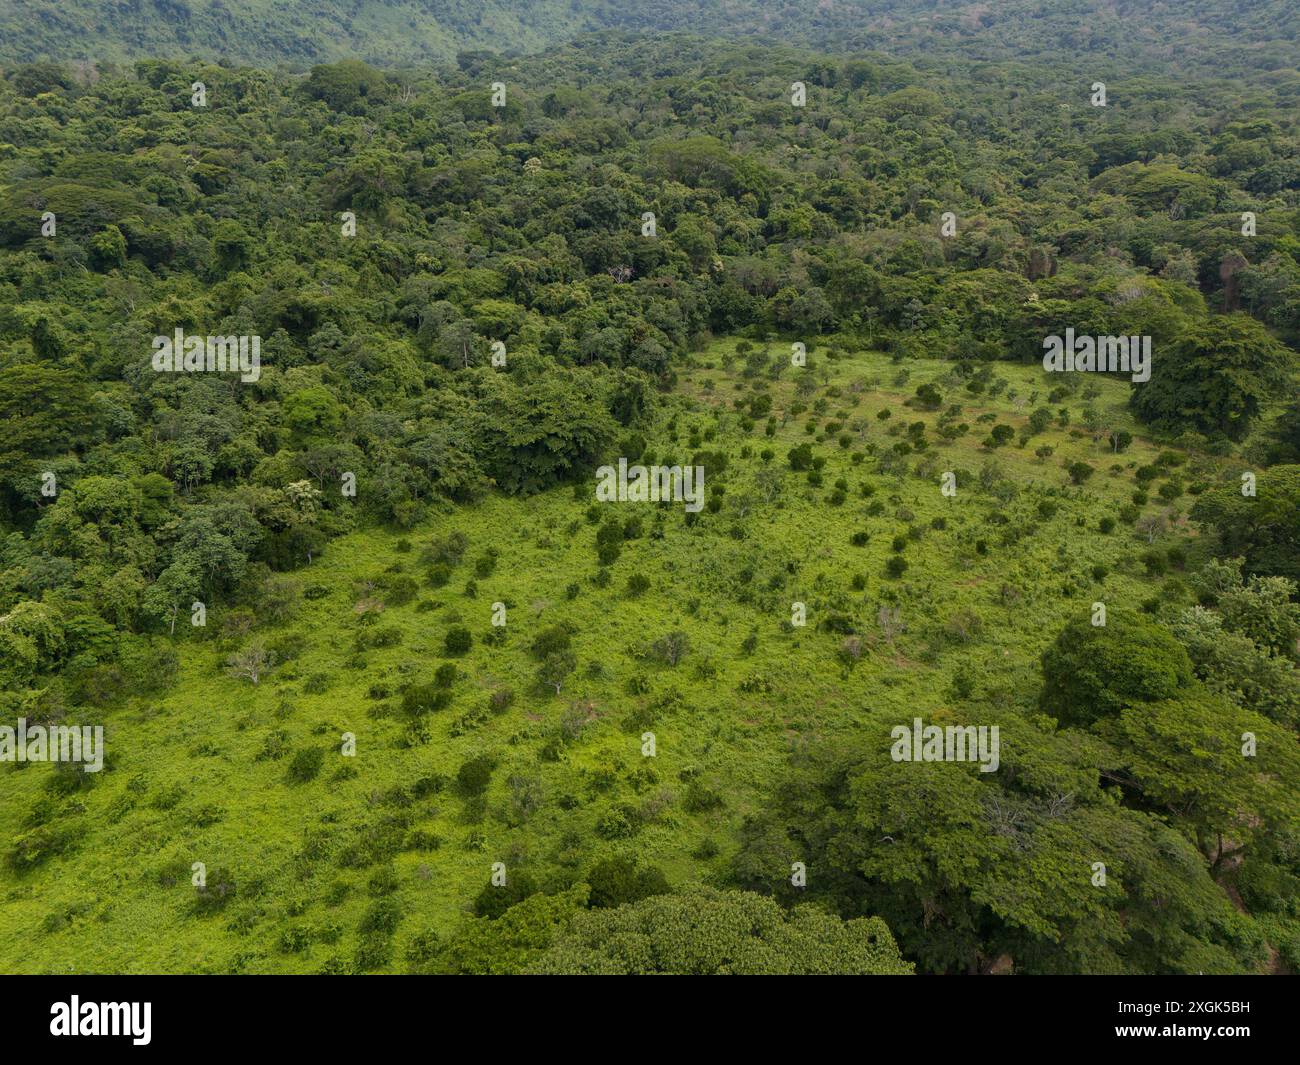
x,y
252,781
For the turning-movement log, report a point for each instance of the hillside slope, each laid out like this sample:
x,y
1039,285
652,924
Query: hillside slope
x,y
1176,34
249,779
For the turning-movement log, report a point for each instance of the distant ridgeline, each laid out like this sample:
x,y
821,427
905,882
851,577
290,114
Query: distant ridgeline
x,y
1222,37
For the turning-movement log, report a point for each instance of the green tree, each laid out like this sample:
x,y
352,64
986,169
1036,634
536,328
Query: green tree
x,y
349,85
705,932
508,942
1188,756
1265,528
619,880
176,588
1093,671
1214,379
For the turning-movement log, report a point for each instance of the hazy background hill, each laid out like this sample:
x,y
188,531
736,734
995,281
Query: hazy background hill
x,y
1183,33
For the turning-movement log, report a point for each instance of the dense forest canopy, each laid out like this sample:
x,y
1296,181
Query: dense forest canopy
x,y
817,260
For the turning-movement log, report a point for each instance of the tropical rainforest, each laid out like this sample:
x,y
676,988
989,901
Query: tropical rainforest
x,y
387,686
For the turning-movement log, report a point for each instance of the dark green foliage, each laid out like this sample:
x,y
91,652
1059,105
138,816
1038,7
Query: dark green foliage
x,y
342,86
401,590
709,932
474,775
615,881
550,640
929,397
1079,472
458,640
216,892
494,900
1092,671
1214,379
424,699
1265,528
1001,434
305,765
383,917
1155,562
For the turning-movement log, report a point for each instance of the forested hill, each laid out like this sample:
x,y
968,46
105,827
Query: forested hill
x,y
1227,36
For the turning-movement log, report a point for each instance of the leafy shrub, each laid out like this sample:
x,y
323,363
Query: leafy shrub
x,y
1090,671
670,649
317,683
422,699
474,775
288,647
383,916
1155,562
550,640
618,822
619,880
305,765
216,893
400,591
458,640
494,900
1079,472
929,396
700,799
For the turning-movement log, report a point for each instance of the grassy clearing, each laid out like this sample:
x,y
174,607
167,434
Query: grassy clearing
x,y
204,773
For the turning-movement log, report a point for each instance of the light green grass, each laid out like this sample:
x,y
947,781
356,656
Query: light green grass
x,y
121,899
